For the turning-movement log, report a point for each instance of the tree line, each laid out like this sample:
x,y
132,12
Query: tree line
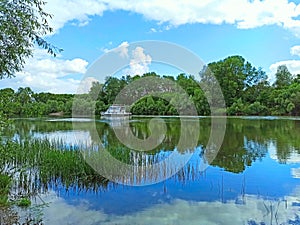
x,y
245,88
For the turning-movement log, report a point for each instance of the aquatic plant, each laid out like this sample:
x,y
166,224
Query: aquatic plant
x,y
5,185
37,165
24,202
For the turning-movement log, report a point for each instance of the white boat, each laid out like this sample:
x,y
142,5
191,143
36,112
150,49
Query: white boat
x,y
116,111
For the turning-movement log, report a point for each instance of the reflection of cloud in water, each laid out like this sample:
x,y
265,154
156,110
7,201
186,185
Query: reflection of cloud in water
x,y
71,120
295,172
294,157
178,212
68,138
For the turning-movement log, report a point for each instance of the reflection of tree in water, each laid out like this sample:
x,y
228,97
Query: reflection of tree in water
x,y
232,156
283,133
143,159
44,167
248,140
245,141
24,128
255,149
243,144
287,139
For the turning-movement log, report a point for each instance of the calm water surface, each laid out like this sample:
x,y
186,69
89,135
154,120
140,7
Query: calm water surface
x,y
254,178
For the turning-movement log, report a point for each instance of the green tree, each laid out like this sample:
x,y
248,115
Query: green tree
x,y
111,89
25,95
200,102
283,76
22,24
296,102
7,101
234,75
237,108
95,90
256,108
252,93
188,83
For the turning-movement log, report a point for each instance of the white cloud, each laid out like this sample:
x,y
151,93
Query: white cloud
x,y
153,30
139,63
45,73
295,50
122,49
76,11
242,13
55,67
292,65
85,85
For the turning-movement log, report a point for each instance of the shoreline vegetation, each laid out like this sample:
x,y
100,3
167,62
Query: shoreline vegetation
x,y
246,91
30,168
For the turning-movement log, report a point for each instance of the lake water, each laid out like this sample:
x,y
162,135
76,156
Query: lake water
x,y
254,178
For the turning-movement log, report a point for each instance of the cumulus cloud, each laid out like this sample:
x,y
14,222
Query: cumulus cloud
x,y
292,65
139,60
85,85
55,67
295,50
139,64
75,11
122,49
45,73
243,14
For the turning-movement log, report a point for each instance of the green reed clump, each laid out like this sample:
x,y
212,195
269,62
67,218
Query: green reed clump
x,y
24,202
5,185
38,165
30,167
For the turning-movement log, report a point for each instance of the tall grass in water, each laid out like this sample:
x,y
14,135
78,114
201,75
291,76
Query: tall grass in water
x,y
5,185
37,165
28,168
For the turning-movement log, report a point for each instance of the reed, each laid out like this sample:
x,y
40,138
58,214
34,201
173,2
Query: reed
x,y
5,185
31,167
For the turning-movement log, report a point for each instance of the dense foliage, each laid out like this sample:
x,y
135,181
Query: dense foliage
x,y
24,102
23,23
245,88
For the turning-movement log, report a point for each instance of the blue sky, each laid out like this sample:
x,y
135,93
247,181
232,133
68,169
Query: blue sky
x,y
266,33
